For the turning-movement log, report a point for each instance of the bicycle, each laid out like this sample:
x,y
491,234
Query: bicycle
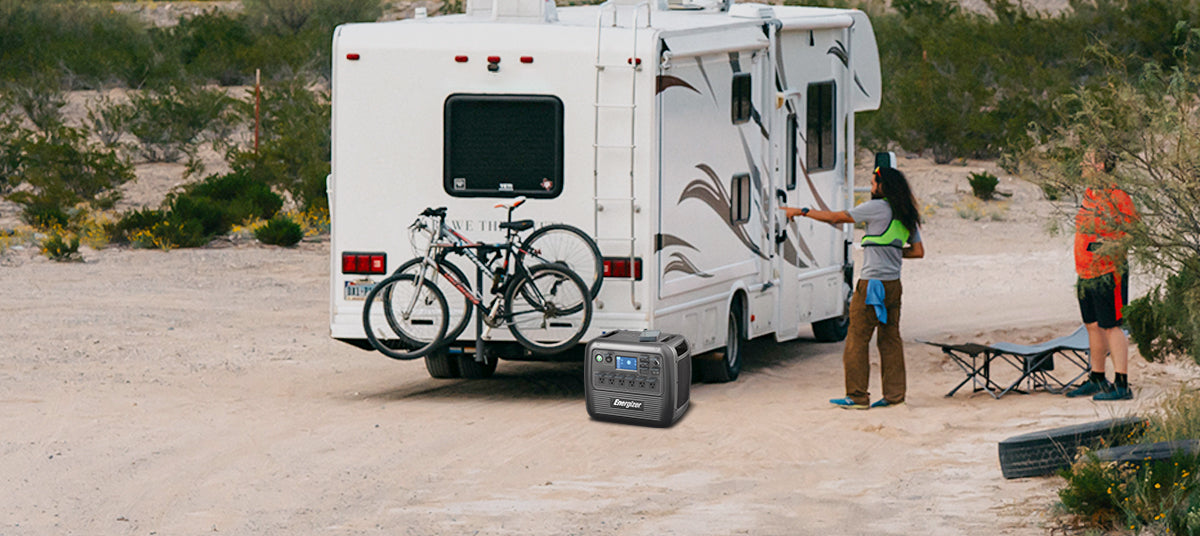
x,y
547,307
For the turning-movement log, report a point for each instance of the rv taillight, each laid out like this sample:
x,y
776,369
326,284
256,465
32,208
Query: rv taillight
x,y
364,263
635,61
352,56
526,59
619,267
460,59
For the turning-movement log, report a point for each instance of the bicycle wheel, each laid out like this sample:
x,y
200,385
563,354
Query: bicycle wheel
x,y
567,245
399,335
458,305
549,309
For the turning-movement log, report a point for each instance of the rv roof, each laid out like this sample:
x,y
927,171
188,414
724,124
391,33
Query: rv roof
x,y
671,20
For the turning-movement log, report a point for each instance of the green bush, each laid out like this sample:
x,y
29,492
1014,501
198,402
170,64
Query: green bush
x,y
61,248
279,232
1166,320
44,215
294,148
124,229
243,197
199,213
59,167
983,185
170,123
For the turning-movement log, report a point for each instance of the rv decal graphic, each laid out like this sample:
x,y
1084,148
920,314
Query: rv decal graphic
x,y
665,81
668,240
839,50
714,195
682,264
707,82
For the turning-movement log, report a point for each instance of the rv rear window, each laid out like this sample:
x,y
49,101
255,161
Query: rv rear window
x,y
503,146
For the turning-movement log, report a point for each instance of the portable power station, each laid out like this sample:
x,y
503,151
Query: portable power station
x,y
637,377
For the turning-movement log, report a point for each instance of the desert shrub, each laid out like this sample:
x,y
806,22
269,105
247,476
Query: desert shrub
x,y
44,215
170,123
1166,320
1161,496
279,232
61,246
295,35
39,99
199,213
108,120
294,147
217,46
983,184
244,198
85,43
123,230
61,167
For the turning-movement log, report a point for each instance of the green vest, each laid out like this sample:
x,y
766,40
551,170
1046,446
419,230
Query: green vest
x,y
895,236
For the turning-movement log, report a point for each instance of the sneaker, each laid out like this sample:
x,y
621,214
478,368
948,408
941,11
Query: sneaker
x,y
883,403
846,403
1090,388
1117,393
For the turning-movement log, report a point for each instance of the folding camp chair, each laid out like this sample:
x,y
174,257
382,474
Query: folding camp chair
x,y
1035,363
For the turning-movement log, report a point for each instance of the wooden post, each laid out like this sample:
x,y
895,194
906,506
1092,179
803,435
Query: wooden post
x,y
257,106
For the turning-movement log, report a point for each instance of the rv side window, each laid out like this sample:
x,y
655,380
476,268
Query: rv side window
x,y
739,206
793,151
741,98
821,145
503,146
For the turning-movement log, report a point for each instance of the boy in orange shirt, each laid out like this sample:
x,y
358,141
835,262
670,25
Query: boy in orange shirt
x,y
1103,285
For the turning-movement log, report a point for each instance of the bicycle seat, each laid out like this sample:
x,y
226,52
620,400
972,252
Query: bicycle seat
x,y
438,212
516,202
519,225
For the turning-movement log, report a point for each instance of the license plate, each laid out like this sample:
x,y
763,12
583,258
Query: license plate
x,y
358,290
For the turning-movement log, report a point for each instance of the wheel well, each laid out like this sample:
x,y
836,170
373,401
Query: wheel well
x,y
740,301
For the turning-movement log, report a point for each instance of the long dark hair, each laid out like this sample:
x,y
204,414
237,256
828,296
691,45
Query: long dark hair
x,y
899,196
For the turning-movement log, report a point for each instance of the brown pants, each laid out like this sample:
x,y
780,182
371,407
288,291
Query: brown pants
x,y
863,324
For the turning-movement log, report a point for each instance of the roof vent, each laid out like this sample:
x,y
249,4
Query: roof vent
x,y
752,11
699,5
537,10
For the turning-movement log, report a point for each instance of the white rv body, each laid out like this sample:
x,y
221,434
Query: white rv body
x,y
653,165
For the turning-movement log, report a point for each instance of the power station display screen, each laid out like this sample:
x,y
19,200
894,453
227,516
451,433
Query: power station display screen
x,y
627,363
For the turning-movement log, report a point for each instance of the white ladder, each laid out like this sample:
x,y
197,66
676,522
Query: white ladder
x,y
632,66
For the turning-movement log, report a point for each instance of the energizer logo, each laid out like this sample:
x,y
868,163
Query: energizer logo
x,y
627,404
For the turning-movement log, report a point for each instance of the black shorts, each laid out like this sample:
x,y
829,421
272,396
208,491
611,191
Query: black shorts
x,y
1101,299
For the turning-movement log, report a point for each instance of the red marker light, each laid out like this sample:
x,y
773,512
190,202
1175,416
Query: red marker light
x,y
460,59
493,59
352,56
526,59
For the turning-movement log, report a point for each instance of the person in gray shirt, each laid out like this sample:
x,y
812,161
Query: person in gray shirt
x,y
893,223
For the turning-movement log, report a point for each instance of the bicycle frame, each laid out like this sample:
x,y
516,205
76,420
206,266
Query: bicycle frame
x,y
446,241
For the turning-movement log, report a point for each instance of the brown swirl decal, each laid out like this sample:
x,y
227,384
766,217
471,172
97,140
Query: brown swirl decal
x,y
712,193
668,81
682,264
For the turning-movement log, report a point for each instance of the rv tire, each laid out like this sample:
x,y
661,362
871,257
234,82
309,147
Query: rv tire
x,y
724,366
442,365
474,370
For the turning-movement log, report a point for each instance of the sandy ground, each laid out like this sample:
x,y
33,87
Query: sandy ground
x,y
197,391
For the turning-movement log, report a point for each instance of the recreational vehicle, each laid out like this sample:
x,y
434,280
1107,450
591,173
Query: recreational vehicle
x,y
669,132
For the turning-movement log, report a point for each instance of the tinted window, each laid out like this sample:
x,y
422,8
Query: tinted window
x,y
503,146
793,150
821,145
739,206
741,98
